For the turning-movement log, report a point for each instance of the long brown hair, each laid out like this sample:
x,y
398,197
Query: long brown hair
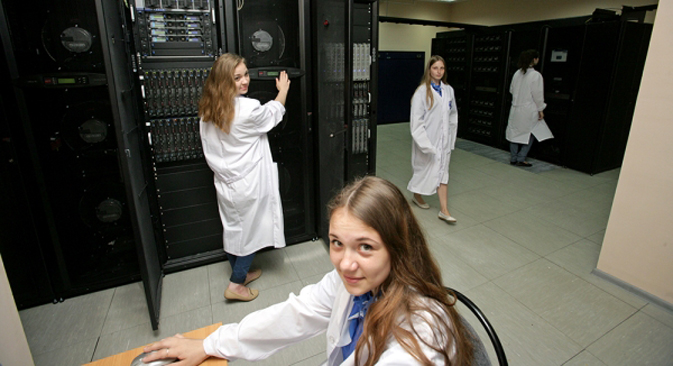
x,y
413,271
427,78
217,104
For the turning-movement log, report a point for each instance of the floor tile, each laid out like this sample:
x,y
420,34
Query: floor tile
x,y
128,308
113,343
489,253
456,273
575,177
581,311
53,326
528,339
434,227
580,259
233,311
597,238
525,229
659,313
76,354
511,194
571,218
277,269
310,258
184,291
585,358
640,340
481,206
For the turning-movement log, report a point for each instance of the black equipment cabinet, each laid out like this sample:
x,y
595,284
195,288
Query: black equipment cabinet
x,y
70,159
274,36
345,40
456,49
609,76
591,67
399,76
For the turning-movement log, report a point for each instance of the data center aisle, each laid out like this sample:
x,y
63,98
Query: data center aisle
x,y
523,249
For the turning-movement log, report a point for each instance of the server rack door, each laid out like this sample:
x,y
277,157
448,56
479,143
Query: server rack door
x,y
361,55
274,36
560,69
68,118
22,224
329,40
401,73
591,96
456,49
125,114
488,87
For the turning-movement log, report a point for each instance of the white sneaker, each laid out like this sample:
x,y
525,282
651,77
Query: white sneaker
x,y
448,218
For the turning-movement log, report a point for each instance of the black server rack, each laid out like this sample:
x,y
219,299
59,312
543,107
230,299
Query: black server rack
x,y
362,95
560,63
613,58
488,88
274,36
456,49
345,40
55,53
175,44
400,73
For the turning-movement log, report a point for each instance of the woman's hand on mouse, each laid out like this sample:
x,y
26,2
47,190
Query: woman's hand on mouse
x,y
189,352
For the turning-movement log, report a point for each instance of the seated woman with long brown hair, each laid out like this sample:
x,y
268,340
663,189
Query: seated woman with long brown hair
x,y
383,304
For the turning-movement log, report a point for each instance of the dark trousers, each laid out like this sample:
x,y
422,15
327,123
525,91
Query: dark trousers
x,y
520,151
239,267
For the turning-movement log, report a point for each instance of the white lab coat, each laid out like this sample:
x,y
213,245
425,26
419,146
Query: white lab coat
x,y
434,136
527,100
246,178
321,307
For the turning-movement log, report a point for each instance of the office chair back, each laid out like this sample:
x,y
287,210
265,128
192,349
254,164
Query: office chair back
x,y
480,356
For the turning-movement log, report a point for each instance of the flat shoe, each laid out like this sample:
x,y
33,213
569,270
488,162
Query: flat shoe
x,y
448,218
512,163
230,295
524,164
424,206
255,275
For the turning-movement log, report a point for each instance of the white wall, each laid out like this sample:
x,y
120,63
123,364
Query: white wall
x,y
404,37
638,244
13,344
497,12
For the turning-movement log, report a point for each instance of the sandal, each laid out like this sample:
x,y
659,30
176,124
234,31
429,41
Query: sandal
x,y
231,295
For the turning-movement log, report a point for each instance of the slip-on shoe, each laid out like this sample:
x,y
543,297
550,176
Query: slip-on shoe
x,y
231,295
448,218
255,275
424,206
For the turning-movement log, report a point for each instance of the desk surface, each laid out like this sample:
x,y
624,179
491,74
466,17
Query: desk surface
x,y
125,358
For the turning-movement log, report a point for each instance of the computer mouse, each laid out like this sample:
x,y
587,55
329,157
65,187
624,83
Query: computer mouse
x,y
138,361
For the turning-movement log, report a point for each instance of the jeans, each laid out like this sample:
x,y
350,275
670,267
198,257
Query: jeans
x,y
239,267
520,151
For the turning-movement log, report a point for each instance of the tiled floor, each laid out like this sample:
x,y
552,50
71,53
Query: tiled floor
x,y
523,249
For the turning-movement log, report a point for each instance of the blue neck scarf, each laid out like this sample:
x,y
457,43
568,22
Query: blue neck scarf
x,y
438,88
357,320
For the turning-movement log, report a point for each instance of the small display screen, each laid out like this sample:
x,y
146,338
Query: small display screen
x,y
272,73
65,80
